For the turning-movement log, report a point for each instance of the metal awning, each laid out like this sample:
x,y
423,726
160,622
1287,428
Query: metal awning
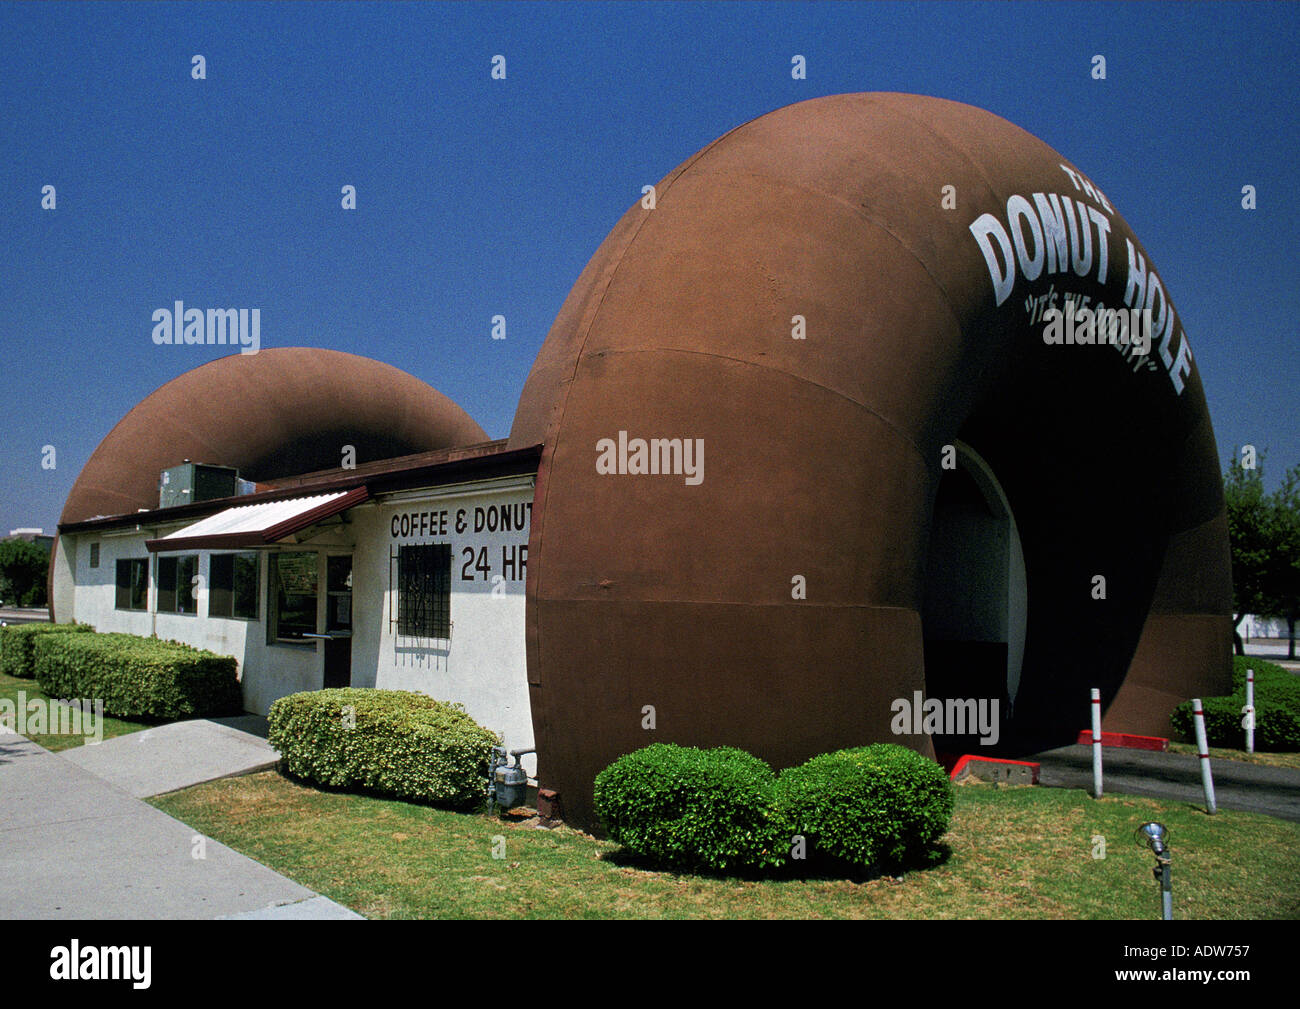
x,y
258,525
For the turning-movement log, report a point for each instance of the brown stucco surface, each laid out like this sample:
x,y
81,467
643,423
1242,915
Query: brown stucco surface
x,y
279,412
822,455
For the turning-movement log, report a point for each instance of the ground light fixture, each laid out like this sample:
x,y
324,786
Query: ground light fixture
x,y
1156,837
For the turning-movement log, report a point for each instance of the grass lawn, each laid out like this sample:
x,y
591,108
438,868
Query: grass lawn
x,y
1014,853
1218,753
10,686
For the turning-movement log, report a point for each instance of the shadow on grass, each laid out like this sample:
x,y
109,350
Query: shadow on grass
x,y
817,867
65,738
475,807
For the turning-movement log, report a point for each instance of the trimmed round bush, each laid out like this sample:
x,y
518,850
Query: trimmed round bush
x,y
18,641
138,677
391,742
693,809
1277,710
873,806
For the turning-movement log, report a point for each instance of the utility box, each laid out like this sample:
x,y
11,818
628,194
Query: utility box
x,y
190,482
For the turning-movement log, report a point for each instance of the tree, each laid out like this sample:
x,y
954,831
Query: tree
x,y
1249,525
1264,535
23,570
1282,578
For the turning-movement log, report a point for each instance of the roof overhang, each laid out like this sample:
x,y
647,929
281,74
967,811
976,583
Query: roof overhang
x,y
429,469
258,525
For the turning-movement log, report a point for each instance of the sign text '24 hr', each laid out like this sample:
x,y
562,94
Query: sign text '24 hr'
x,y
475,563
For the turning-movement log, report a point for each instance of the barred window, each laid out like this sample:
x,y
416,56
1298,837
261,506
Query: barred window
x,y
424,590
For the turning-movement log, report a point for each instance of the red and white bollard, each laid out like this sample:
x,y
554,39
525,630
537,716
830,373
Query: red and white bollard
x,y
1096,743
1249,720
1203,749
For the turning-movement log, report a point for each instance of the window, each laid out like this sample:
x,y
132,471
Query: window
x,y
176,584
133,584
424,590
338,593
293,596
232,586
94,555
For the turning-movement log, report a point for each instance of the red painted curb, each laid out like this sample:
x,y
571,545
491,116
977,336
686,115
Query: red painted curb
x,y
1126,740
965,759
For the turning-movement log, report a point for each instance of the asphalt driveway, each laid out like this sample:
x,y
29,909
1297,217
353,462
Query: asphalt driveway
x,y
1250,788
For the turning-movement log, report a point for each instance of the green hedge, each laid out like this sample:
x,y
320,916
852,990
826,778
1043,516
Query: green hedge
x,y
392,742
880,806
875,806
137,677
1277,710
17,654
693,809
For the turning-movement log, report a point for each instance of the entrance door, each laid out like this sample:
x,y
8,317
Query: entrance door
x,y
338,621
975,608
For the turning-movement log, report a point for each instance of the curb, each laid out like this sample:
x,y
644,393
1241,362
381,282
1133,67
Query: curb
x,y
970,765
1125,740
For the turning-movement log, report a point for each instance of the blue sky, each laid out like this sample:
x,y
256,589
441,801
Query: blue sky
x,y
479,197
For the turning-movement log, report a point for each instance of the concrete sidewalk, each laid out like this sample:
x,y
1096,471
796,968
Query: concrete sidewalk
x,y
179,754
1251,788
75,845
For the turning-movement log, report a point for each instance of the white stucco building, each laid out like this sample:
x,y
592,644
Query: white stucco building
x,y
405,574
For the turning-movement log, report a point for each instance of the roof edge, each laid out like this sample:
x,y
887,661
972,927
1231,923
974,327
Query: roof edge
x,y
415,471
